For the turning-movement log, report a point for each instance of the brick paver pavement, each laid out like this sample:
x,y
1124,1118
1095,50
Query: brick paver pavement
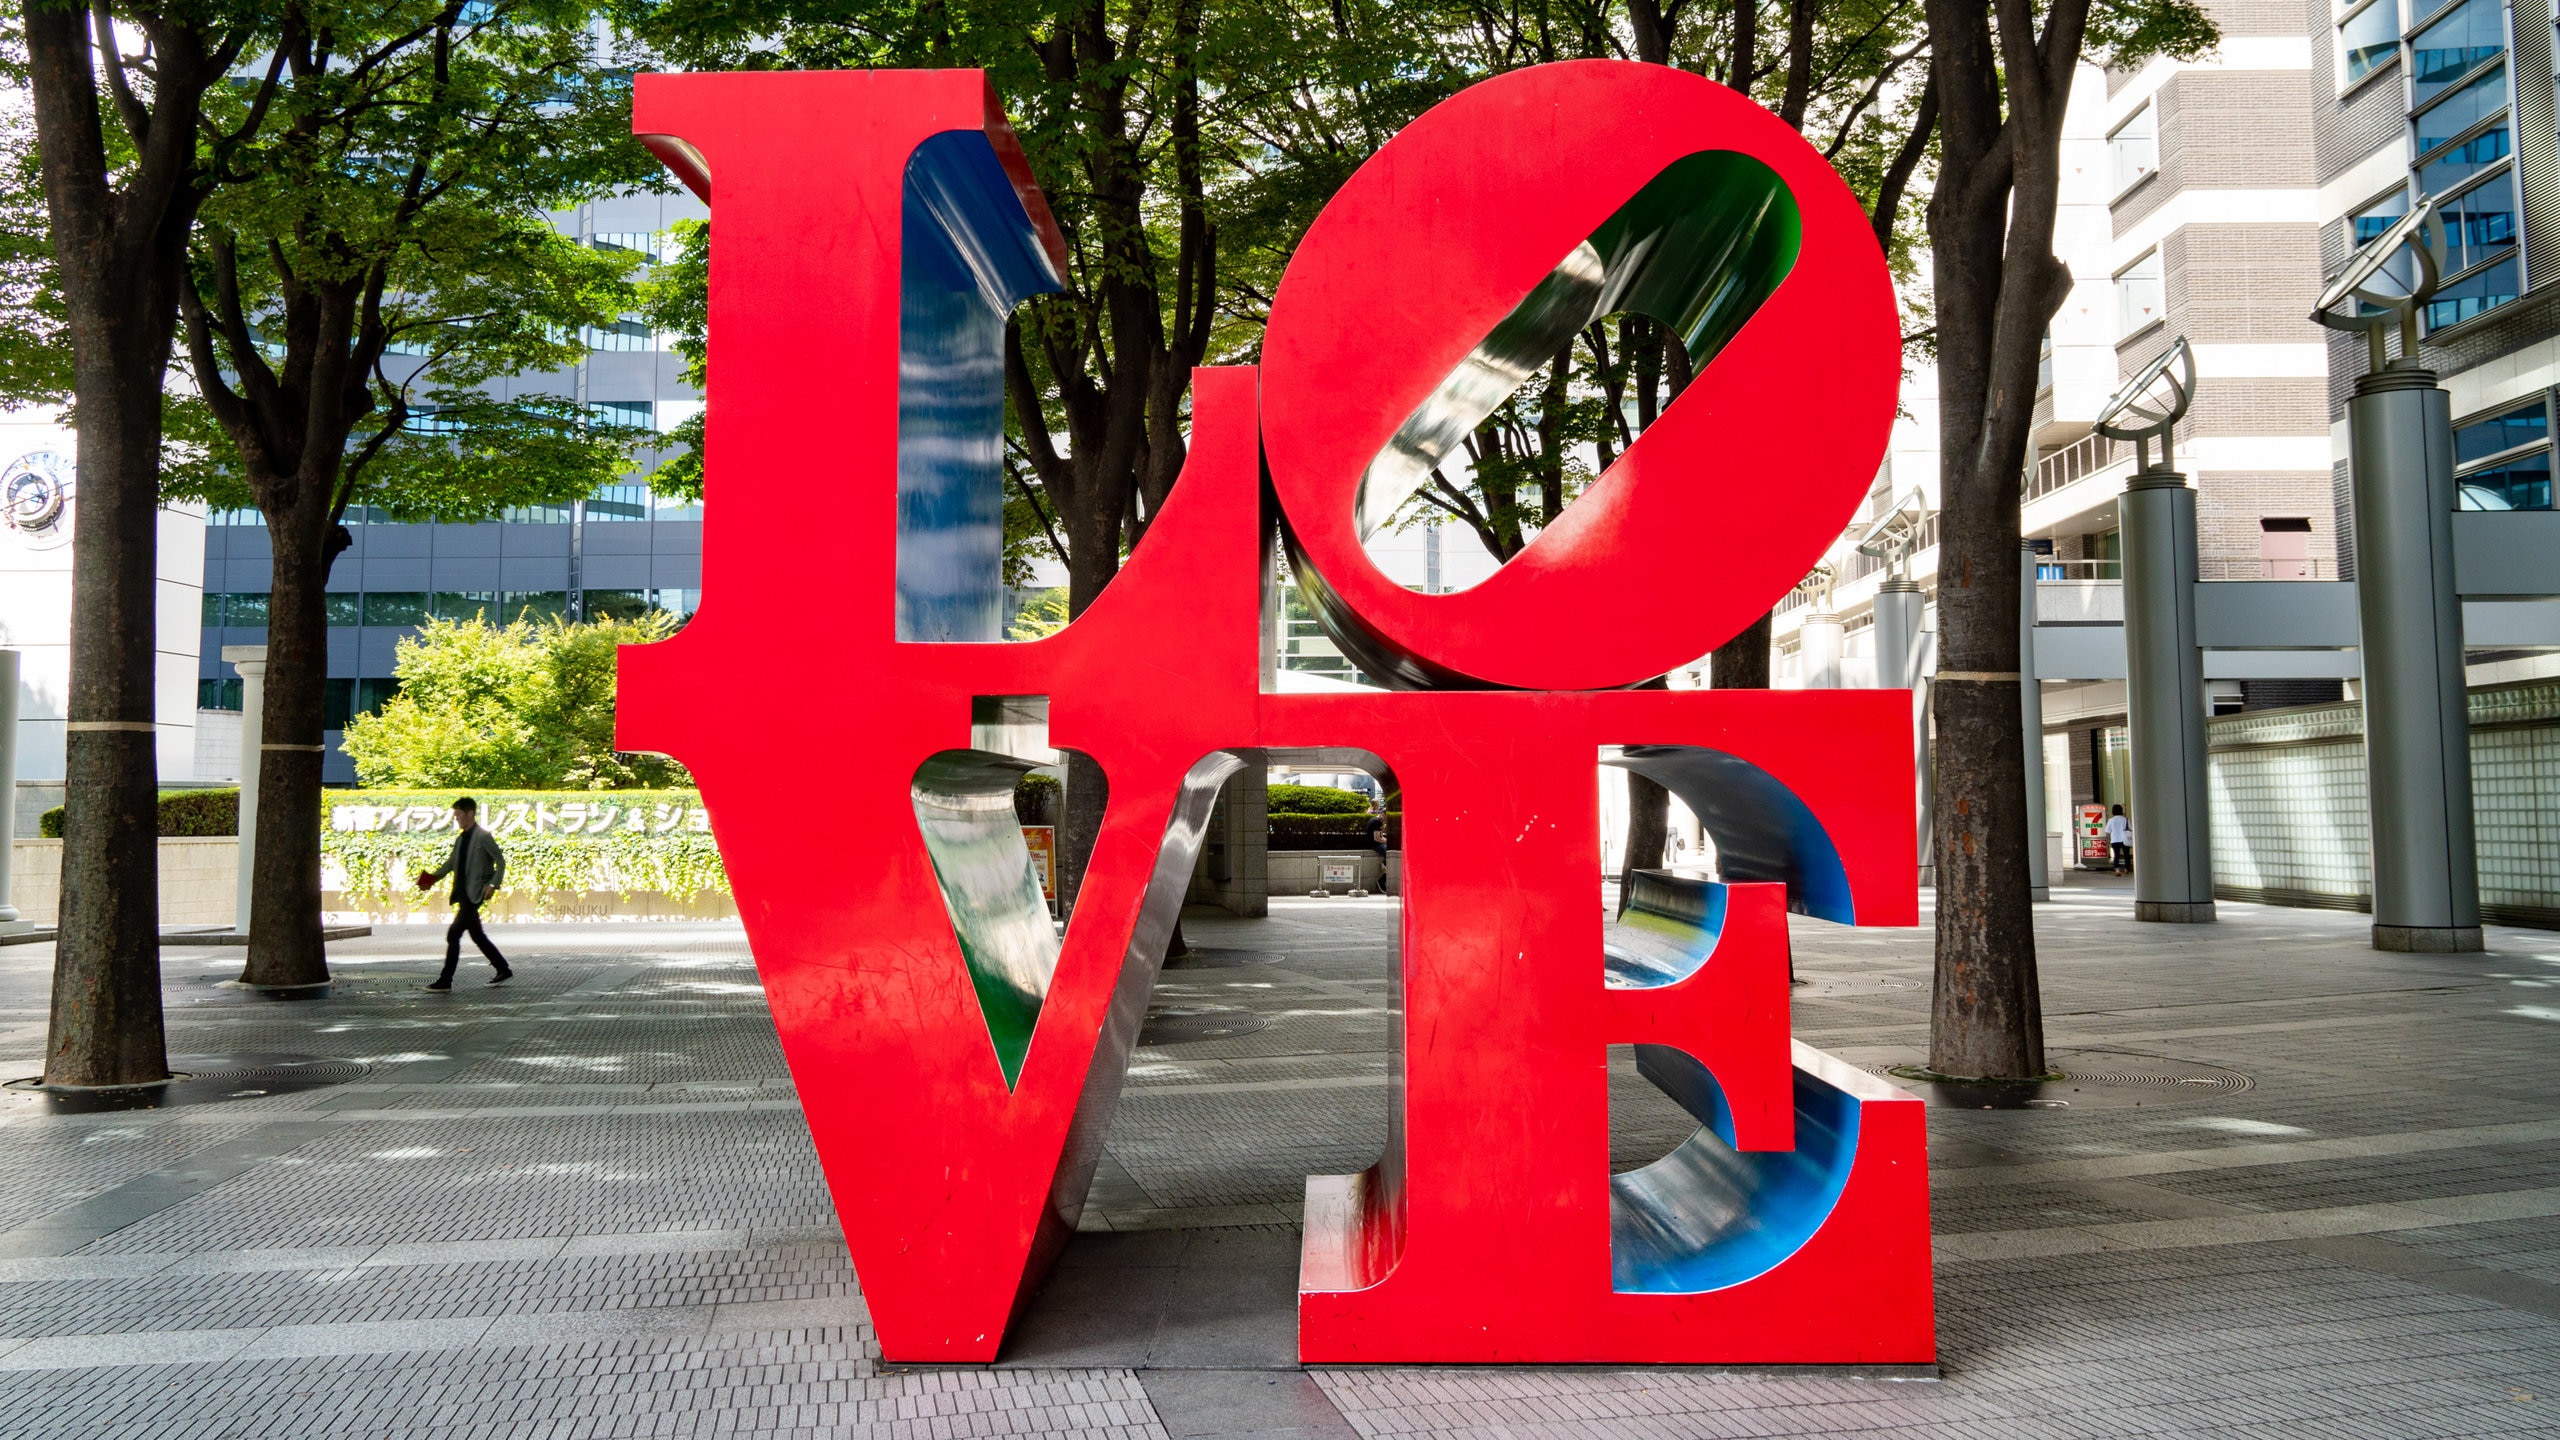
x,y
586,1205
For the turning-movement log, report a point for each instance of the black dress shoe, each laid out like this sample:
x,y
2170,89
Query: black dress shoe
x,y
502,977
441,985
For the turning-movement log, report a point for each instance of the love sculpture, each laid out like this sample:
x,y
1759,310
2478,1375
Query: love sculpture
x,y
959,1063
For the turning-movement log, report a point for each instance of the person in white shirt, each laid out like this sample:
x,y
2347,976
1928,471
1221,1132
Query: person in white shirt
x,y
2120,840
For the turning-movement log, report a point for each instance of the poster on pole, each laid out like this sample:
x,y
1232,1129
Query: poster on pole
x,y
1042,842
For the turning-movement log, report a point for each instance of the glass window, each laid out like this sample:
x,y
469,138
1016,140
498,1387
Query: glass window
x,y
535,515
212,610
430,420
2473,32
642,414
372,695
245,612
345,608
616,604
2464,108
218,694
624,334
536,605
2138,300
2480,224
395,607
643,243
2451,167
2475,294
619,502
2524,425
2369,223
679,602
2523,483
2370,39
2135,146
466,605
337,704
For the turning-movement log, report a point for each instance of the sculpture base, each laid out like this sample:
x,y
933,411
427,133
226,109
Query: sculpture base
x,y
2428,939
2175,912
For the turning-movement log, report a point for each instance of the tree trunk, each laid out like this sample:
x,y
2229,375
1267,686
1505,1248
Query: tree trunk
x,y
1742,663
1093,558
119,237
285,947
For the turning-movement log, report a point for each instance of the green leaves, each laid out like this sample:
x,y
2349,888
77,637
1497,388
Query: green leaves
x,y
522,705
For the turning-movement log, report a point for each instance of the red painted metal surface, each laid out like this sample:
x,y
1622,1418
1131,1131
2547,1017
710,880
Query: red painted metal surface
x,y
1485,1234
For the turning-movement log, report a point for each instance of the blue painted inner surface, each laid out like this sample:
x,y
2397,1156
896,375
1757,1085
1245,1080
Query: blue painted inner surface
x,y
1669,930
970,256
1762,831
1707,1215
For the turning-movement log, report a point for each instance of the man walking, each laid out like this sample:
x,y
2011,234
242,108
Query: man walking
x,y
476,865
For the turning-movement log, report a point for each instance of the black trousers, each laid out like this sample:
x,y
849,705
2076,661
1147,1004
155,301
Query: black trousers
x,y
466,921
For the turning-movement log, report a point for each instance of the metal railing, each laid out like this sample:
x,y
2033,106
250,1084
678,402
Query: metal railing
x,y
2242,568
2080,459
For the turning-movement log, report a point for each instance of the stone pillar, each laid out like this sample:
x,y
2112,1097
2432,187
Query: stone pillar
x,y
1237,852
251,662
2031,724
9,921
1899,611
2164,701
1818,651
2417,724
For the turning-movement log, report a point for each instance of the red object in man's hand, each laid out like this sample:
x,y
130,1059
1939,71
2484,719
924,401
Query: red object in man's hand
x,y
425,879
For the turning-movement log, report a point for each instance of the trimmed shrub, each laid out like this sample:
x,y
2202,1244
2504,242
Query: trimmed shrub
x,y
1038,800
1317,800
1331,832
182,812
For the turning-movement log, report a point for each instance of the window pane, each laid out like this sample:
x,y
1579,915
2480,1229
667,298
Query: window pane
x,y
371,695
617,604
619,502
2474,31
209,695
213,610
536,515
2523,483
2473,295
246,612
2480,224
345,609
2463,161
2370,222
2370,39
2135,147
536,604
2138,295
467,605
679,602
337,703
2525,425
640,413
624,334
395,607
2463,109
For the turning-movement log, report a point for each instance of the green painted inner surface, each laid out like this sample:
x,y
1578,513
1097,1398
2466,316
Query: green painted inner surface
x,y
964,808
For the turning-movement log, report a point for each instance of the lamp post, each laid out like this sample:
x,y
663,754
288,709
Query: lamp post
x,y
2164,667
251,662
2417,724
9,918
1899,611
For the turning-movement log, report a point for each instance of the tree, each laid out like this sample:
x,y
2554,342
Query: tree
x,y
2001,86
123,172
357,282
1148,126
522,706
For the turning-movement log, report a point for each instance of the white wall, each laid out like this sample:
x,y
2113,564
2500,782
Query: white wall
x,y
35,620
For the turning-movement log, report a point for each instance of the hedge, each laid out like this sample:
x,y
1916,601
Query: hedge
x,y
1317,800
576,841
1331,832
182,812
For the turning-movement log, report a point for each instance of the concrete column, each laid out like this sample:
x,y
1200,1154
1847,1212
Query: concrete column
x,y
9,920
2417,725
1818,651
1898,615
2164,701
251,662
2031,723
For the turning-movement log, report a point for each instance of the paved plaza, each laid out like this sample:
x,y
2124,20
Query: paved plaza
x,y
2302,1189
